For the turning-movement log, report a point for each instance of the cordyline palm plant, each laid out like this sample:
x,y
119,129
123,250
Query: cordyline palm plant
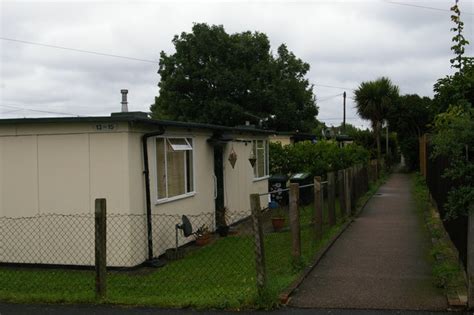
x,y
373,99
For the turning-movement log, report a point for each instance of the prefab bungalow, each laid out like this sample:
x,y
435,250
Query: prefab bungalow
x,y
286,138
150,172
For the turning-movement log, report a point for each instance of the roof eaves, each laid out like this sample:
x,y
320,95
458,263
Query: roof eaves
x,y
148,121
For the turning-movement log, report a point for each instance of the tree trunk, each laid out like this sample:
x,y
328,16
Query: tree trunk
x,y
377,139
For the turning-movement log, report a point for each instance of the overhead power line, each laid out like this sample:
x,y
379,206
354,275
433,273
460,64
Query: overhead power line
x,y
338,118
77,50
424,7
118,56
326,98
11,111
335,87
18,108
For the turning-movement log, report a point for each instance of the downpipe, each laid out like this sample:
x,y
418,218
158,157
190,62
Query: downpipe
x,y
151,261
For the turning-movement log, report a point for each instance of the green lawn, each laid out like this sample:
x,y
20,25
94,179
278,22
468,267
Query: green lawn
x,y
220,275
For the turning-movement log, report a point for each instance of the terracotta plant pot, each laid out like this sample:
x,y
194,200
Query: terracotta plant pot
x,y
278,223
203,239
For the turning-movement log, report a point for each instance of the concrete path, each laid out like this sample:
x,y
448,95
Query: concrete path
x,y
55,309
380,262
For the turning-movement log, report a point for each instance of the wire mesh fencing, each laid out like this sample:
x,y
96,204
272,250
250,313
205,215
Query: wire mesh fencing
x,y
34,251
181,259
206,267
51,258
302,219
290,236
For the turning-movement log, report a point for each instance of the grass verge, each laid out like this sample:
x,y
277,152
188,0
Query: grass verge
x,y
447,271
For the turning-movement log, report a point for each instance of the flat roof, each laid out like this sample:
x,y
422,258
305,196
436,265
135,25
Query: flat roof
x,y
135,118
295,134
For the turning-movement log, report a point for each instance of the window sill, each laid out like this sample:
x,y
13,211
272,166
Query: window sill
x,y
261,178
161,201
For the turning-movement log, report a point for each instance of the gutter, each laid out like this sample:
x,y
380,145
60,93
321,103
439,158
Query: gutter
x,y
146,172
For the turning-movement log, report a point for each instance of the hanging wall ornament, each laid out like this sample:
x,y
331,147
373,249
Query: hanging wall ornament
x,y
252,158
232,157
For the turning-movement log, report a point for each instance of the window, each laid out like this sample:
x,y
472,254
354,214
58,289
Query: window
x,y
260,149
174,167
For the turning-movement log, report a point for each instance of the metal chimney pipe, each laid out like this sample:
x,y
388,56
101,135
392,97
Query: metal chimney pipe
x,y
124,101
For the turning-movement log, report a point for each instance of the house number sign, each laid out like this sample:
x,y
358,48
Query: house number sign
x,y
105,127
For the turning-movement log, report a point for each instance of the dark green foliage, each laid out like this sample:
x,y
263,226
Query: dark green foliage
x,y
409,118
456,89
454,138
453,135
365,138
226,79
373,100
317,159
460,61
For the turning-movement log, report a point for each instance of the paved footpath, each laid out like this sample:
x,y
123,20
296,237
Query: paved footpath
x,y
380,262
37,309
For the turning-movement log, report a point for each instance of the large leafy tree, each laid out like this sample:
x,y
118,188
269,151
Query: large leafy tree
x,y
453,133
220,78
373,100
409,118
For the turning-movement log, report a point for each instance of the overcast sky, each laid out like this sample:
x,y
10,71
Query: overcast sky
x,y
345,43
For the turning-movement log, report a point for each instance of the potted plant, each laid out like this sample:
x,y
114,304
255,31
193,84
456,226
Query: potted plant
x,y
278,219
203,236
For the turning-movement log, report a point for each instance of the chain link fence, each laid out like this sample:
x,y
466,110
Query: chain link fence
x,y
303,218
51,257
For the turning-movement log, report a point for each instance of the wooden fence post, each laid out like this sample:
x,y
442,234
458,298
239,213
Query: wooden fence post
x,y
347,190
258,242
331,199
341,192
295,222
353,188
366,178
372,171
377,170
318,209
470,258
369,173
359,181
100,248
354,183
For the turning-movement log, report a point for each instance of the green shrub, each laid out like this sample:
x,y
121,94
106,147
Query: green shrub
x,y
315,158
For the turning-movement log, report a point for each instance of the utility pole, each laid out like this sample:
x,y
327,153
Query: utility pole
x,y
386,138
344,119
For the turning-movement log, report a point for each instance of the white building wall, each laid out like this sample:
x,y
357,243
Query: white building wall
x,y
239,181
51,176
199,207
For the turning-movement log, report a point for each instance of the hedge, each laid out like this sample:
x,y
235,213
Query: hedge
x,y
315,158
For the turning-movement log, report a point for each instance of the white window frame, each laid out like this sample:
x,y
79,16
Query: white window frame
x,y
176,147
266,162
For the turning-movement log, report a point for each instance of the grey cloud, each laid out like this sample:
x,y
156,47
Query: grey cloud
x,y
344,43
